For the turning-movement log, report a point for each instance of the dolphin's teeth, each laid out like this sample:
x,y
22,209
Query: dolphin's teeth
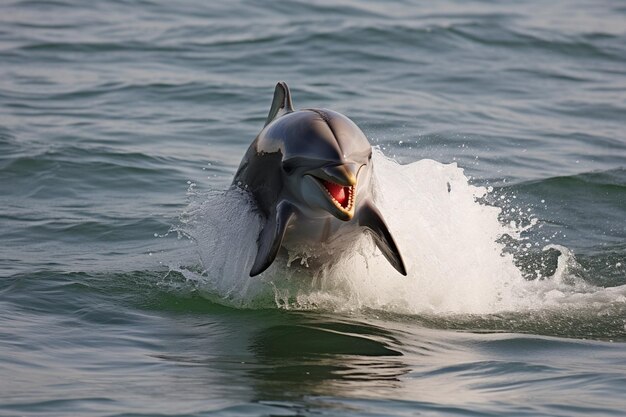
x,y
349,198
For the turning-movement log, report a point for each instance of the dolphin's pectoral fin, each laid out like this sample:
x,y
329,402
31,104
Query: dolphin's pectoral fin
x,y
281,103
369,217
271,237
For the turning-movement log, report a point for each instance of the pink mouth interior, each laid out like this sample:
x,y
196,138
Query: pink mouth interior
x,y
339,192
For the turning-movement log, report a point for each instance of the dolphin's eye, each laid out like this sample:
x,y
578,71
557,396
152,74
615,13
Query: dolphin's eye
x,y
369,158
288,168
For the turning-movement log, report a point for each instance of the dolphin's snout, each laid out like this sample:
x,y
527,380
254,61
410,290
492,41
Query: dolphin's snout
x,y
343,174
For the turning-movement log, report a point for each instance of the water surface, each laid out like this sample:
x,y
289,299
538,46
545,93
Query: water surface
x,y
121,122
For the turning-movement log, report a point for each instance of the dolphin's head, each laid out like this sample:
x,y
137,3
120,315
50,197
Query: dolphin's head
x,y
325,160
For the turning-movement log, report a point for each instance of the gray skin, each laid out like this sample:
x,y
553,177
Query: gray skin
x,y
288,169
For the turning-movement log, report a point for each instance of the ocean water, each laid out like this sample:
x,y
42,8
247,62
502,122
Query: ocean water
x,y
500,167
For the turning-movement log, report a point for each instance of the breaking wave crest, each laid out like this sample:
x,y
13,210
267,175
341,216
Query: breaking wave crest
x,y
451,241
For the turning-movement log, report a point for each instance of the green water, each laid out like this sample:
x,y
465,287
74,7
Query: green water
x,y
121,122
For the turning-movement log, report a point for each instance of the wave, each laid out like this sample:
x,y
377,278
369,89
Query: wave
x,y
612,182
451,242
40,170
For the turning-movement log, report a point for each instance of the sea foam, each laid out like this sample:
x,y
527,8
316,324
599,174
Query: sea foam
x,y
449,238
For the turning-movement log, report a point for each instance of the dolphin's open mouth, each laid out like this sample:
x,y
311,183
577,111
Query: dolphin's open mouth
x,y
342,196
338,183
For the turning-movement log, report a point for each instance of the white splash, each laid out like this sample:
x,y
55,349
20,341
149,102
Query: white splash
x,y
449,242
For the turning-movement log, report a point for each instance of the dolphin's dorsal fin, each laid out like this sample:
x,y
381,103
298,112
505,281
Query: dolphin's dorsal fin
x,y
271,236
370,218
281,104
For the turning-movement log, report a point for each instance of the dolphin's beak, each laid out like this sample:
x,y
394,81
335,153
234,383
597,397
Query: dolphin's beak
x,y
338,183
344,174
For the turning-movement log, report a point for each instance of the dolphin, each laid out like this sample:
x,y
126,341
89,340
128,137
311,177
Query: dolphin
x,y
310,174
